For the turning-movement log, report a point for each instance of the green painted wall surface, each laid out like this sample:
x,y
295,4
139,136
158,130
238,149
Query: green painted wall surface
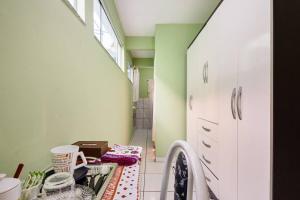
x,y
141,43
143,62
146,73
171,42
145,66
57,84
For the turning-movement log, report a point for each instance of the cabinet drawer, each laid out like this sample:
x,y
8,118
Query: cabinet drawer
x,y
208,128
211,181
208,151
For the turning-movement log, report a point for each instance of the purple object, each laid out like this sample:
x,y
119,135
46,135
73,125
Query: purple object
x,y
120,159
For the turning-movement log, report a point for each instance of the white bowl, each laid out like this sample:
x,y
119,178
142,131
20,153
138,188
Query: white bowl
x,y
58,182
10,189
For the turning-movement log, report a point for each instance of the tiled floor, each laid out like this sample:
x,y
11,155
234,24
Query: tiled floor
x,y
151,172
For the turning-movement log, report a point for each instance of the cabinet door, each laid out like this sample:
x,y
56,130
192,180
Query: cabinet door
x,y
212,51
202,43
208,73
226,60
227,127
254,78
192,81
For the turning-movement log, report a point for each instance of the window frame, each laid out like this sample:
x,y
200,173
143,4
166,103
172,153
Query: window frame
x,y
75,11
130,69
120,48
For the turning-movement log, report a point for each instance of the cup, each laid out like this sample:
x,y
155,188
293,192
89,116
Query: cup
x,y
10,188
64,158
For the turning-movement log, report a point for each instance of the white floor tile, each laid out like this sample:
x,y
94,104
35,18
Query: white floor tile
x,y
150,172
141,197
141,138
143,167
154,167
156,196
142,182
141,131
153,183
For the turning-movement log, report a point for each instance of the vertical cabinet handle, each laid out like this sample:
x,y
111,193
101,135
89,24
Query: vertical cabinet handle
x,y
203,73
239,102
206,72
190,102
233,97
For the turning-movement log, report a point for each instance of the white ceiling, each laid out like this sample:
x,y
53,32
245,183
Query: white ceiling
x,y
142,53
139,17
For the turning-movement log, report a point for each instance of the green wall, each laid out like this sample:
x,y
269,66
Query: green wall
x,y
145,66
141,43
171,43
57,84
146,73
143,62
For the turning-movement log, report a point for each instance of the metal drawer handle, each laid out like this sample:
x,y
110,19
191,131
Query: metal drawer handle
x,y
205,144
190,102
207,161
239,103
206,129
204,73
233,95
208,179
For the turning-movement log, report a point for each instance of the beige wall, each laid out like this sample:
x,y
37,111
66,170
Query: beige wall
x,y
57,84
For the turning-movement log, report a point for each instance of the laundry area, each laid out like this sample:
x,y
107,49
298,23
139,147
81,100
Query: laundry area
x,y
137,100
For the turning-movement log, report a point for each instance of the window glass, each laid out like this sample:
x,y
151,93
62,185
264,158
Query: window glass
x,y
130,72
78,6
97,19
105,33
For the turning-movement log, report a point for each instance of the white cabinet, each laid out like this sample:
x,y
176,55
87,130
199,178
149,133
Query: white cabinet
x,y
212,181
208,150
192,82
207,77
234,101
254,80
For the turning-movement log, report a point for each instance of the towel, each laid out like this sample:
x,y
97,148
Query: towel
x,y
123,155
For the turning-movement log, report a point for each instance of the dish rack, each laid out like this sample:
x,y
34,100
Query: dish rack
x,y
84,188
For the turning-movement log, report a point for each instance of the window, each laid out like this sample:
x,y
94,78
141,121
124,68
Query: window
x,y
79,7
130,73
105,33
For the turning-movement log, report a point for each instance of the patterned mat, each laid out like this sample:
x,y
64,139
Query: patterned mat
x,y
125,181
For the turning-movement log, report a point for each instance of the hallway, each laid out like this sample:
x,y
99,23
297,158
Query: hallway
x,y
151,171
